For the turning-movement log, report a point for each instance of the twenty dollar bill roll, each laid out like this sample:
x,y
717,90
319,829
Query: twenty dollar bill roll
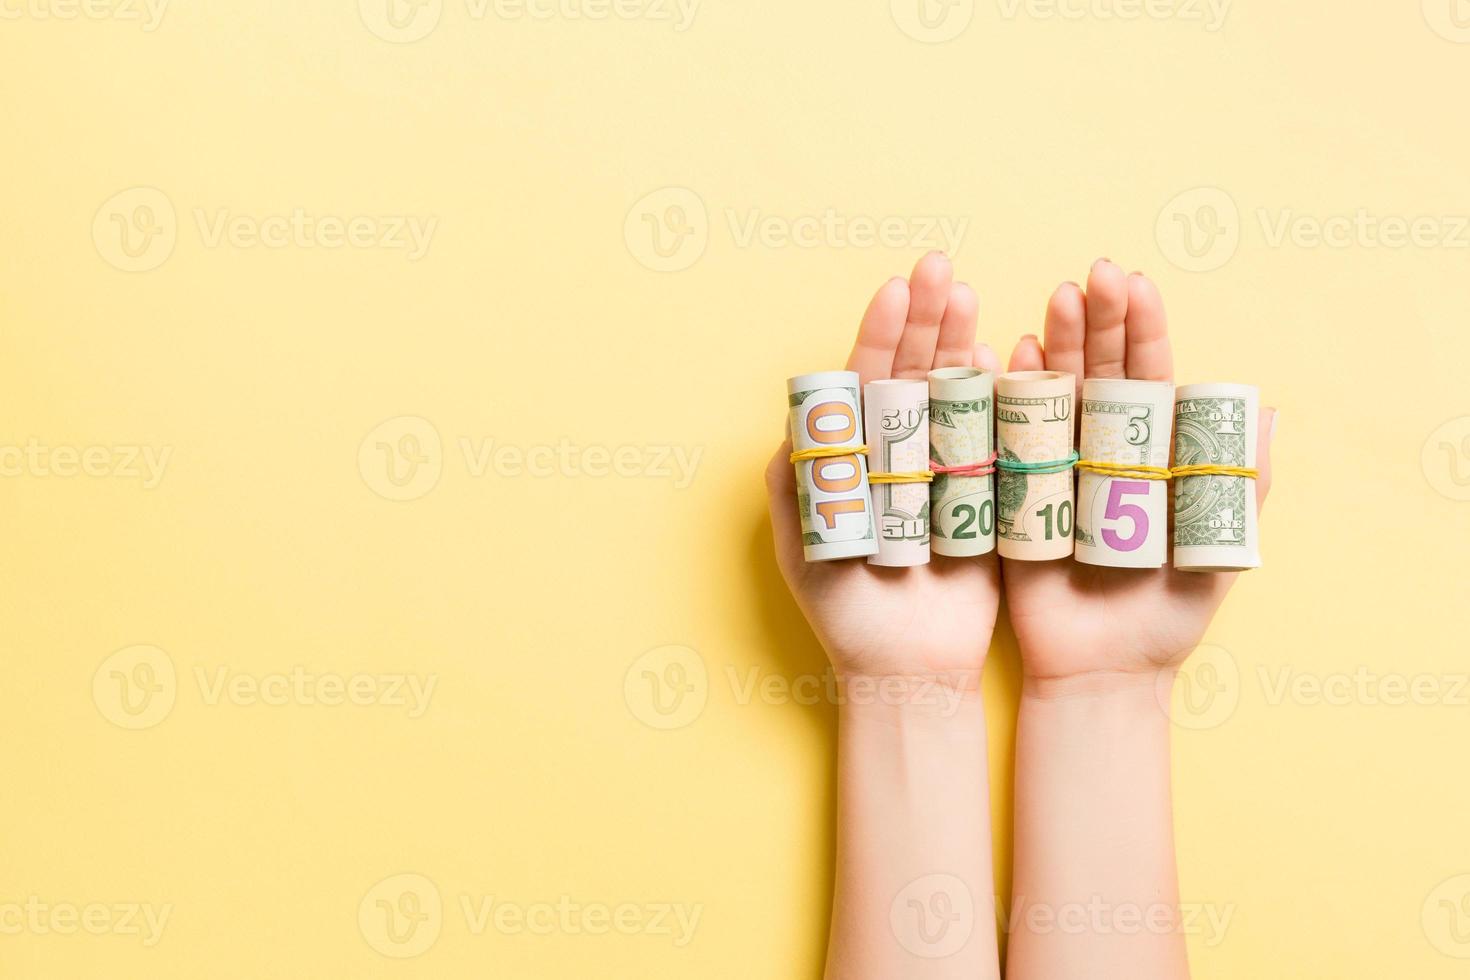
x,y
1123,519
1215,516
832,492
962,507
1033,426
897,414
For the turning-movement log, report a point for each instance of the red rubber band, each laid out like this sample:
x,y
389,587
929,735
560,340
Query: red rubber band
x,y
983,468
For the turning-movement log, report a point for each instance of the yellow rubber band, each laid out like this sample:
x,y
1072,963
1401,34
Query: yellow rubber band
x,y
1134,471
827,452
925,476
1205,469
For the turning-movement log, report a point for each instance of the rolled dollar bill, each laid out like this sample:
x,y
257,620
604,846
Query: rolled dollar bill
x,y
897,415
1122,516
1215,514
1033,428
832,492
961,438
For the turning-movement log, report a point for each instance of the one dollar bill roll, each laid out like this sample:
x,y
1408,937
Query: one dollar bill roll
x,y
961,433
897,415
1122,521
1215,516
1033,424
832,492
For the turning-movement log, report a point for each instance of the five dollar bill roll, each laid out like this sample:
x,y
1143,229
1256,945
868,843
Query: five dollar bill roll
x,y
962,508
1123,520
1033,424
832,492
1215,516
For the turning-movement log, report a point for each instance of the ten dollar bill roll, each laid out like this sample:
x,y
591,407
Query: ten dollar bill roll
x,y
1215,516
897,414
1122,521
1033,424
962,508
832,493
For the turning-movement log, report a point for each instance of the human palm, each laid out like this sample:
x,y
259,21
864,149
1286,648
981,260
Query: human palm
x,y
934,619
1073,619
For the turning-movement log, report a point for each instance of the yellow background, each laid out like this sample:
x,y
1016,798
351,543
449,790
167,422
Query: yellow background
x,y
1334,830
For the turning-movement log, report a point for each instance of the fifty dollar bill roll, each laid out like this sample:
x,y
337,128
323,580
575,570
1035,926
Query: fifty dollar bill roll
x,y
1033,424
1215,516
897,414
832,493
1123,522
962,508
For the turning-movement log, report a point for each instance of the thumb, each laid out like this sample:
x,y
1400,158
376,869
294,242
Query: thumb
x,y
1266,430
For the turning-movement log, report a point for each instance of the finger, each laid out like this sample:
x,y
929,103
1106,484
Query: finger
x,y
1066,329
1107,308
1028,355
1265,432
986,359
1149,355
928,296
957,328
882,326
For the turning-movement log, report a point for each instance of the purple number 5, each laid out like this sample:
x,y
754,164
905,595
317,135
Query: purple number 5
x,y
1117,510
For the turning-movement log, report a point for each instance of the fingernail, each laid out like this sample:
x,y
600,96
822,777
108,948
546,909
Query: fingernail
x,y
1271,432
1101,262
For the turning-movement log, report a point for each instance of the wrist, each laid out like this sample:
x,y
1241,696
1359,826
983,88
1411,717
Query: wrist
x,y
931,697
1143,689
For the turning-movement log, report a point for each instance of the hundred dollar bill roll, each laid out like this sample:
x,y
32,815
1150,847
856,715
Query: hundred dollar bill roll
x,y
897,415
961,419
1215,516
832,492
1033,427
1123,519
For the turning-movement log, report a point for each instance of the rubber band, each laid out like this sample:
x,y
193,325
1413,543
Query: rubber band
x,y
983,468
1205,469
1132,471
827,452
922,476
1040,469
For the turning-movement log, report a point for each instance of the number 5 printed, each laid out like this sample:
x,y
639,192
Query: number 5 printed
x,y
1117,510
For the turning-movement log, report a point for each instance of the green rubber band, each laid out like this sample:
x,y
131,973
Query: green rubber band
x,y
1042,468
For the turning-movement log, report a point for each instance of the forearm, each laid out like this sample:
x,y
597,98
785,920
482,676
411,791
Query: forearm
x,y
914,897
1096,890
